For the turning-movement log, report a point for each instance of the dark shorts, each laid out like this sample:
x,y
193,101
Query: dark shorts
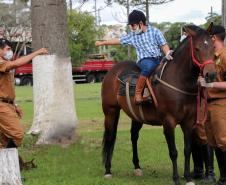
x,y
148,65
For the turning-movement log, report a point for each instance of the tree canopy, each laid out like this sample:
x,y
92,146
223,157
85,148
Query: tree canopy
x,y
142,2
82,35
215,18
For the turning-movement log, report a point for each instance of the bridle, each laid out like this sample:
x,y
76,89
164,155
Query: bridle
x,y
201,66
195,61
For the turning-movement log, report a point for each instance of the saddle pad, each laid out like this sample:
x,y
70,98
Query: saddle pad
x,y
130,77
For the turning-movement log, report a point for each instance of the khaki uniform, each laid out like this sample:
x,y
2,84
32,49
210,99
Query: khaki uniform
x,y
10,127
216,123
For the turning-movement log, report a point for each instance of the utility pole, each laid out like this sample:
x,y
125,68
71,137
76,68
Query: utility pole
x,y
211,12
70,5
15,3
95,9
147,11
127,30
99,19
224,13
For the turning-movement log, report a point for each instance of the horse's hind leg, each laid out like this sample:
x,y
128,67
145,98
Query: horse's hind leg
x,y
187,156
135,128
187,130
109,137
169,133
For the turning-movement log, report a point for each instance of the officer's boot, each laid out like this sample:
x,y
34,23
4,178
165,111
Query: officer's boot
x,y
197,157
221,160
139,89
208,156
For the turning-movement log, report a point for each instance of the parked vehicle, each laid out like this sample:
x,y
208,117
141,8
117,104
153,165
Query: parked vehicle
x,y
23,75
91,71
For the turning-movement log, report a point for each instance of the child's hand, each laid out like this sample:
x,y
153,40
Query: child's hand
x,y
98,43
169,55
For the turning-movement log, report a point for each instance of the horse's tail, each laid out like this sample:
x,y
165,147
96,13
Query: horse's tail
x,y
109,137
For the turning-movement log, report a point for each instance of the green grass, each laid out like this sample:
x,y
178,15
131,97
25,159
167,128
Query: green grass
x,y
80,163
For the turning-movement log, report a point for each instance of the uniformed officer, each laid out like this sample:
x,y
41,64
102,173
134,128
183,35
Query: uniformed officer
x,y
216,125
11,132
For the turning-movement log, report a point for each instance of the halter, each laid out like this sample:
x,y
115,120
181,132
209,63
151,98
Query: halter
x,y
195,61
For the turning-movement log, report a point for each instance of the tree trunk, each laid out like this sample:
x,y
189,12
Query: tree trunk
x,y
54,111
10,170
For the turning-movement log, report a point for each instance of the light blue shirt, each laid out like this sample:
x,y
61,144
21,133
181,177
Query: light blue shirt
x,y
147,44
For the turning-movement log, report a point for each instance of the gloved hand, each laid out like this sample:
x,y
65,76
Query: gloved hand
x,y
203,83
169,55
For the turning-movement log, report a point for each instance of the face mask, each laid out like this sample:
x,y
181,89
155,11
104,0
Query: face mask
x,y
138,30
8,55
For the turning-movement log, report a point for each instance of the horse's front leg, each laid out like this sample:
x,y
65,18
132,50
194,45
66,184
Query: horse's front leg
x,y
169,133
135,128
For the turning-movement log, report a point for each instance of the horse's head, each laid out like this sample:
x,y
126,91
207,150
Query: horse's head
x,y
202,51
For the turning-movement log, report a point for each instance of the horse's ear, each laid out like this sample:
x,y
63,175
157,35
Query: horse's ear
x,y
209,29
189,29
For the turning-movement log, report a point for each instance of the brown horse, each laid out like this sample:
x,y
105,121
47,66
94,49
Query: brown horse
x,y
194,55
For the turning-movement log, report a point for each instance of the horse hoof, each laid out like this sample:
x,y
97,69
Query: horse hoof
x,y
138,172
190,183
108,176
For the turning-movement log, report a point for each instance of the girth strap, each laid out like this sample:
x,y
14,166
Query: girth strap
x,y
141,112
129,102
131,108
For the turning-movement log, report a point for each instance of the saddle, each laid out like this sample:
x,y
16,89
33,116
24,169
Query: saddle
x,y
131,78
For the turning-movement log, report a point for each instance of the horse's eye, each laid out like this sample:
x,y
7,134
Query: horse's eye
x,y
197,49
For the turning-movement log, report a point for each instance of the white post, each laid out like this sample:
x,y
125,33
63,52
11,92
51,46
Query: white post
x,y
9,167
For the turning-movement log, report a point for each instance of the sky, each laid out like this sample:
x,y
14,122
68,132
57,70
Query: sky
x,y
191,11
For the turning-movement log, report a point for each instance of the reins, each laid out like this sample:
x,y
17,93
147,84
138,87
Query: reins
x,y
199,120
173,87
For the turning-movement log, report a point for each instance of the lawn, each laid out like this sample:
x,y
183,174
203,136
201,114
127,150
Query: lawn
x,y
80,163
